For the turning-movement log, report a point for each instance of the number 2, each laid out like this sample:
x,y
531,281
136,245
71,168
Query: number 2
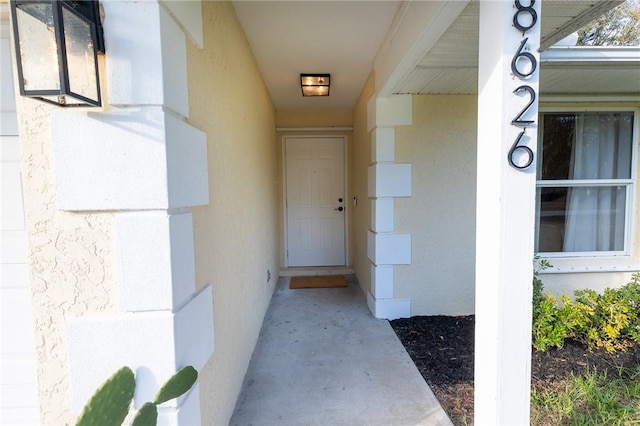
x,y
517,121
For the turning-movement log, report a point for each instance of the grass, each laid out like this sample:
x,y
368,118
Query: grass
x,y
592,398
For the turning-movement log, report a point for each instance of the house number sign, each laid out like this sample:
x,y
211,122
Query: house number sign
x,y
523,65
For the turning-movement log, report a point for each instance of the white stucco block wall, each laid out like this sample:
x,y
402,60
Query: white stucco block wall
x,y
128,160
187,168
389,308
156,260
389,180
382,214
389,248
382,281
147,58
382,144
388,112
154,345
187,413
188,14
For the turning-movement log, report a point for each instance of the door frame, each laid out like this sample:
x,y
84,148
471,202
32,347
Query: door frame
x,y
348,204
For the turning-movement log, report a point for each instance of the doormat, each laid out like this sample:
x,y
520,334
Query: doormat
x,y
320,281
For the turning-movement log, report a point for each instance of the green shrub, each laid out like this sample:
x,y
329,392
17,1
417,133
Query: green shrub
x,y
598,320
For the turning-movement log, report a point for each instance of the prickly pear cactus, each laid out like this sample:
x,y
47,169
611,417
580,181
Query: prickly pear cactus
x,y
147,415
109,405
178,384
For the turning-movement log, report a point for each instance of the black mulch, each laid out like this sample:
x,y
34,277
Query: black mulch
x,y
442,349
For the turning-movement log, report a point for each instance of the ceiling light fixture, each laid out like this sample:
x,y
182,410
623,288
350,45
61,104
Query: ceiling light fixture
x,y
315,84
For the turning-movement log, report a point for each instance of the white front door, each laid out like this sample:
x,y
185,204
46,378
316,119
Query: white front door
x,y
315,201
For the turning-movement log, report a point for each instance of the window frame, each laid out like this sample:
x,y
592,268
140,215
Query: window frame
x,y
631,185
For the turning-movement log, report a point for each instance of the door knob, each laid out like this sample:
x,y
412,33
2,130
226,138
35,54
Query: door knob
x,y
340,208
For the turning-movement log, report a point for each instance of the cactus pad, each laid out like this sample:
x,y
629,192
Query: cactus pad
x,y
109,405
178,384
147,415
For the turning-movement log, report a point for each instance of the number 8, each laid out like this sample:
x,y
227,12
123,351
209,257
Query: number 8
x,y
528,9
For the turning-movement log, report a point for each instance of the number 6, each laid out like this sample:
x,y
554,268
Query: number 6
x,y
521,54
524,159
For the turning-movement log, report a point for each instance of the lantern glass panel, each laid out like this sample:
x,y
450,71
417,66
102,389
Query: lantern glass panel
x,y
38,50
315,90
81,56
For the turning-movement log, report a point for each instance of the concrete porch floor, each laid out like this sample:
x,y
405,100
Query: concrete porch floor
x,y
323,359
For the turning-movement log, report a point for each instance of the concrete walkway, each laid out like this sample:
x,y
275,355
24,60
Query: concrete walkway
x,y
322,359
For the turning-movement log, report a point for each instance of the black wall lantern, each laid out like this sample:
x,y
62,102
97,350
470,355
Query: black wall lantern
x,y
57,44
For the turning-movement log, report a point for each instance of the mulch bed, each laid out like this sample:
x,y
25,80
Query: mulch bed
x,y
442,349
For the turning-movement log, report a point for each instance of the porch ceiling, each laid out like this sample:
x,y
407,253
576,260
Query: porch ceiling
x,y
451,66
344,37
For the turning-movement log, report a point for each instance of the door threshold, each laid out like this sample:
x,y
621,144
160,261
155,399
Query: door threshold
x,y
316,270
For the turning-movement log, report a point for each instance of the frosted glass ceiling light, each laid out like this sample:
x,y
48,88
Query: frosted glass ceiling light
x,y
57,44
315,84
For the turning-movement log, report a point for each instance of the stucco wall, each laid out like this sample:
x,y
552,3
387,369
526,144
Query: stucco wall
x,y
71,259
236,236
441,213
440,216
360,161
314,118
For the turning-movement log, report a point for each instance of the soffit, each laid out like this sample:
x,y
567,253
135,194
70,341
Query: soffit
x,y
450,67
343,38
340,38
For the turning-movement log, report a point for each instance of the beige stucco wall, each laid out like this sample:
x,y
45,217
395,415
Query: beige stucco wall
x,y
358,186
236,236
71,259
314,118
440,216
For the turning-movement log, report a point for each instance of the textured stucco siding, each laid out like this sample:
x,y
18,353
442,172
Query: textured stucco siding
x,y
236,236
358,184
441,145
314,118
71,259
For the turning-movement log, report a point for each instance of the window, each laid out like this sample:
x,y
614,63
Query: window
x,y
585,183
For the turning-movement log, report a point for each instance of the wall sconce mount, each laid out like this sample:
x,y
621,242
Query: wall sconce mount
x,y
57,44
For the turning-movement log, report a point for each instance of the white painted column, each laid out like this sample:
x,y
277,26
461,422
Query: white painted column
x,y
140,159
387,180
505,217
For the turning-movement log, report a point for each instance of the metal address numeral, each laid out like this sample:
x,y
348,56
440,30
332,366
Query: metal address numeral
x,y
532,97
525,9
522,54
520,156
